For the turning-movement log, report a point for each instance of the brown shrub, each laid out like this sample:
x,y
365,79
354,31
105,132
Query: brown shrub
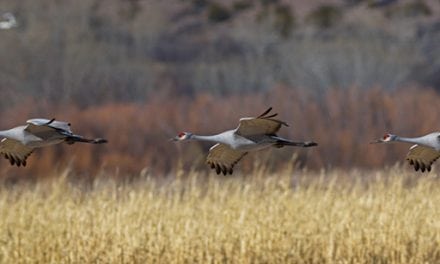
x,y
343,123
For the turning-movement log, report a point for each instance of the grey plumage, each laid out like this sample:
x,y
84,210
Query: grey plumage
x,y
19,142
421,155
252,133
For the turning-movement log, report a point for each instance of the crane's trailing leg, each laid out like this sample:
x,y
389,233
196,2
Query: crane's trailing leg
x,y
71,139
282,143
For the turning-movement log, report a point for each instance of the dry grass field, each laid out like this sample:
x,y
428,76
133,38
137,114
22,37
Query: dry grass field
x,y
389,216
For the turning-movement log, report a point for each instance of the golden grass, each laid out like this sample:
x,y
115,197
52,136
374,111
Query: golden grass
x,y
390,216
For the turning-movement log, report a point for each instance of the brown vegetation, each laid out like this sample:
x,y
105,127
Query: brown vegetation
x,y
342,122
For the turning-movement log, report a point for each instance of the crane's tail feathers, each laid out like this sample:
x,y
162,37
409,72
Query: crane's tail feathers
x,y
271,116
264,115
75,138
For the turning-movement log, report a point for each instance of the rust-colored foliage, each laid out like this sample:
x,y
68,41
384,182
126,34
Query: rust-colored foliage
x,y
342,122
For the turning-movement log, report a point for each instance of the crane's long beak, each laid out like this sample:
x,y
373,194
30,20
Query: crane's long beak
x,y
376,141
173,139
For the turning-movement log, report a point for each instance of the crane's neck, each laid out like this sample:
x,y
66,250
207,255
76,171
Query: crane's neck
x,y
16,133
6,134
424,141
212,138
224,138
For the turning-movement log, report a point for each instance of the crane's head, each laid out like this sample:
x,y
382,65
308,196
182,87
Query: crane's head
x,y
182,136
386,138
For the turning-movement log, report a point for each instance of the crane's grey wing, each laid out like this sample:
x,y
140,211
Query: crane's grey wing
x,y
222,158
40,121
41,125
14,151
264,124
422,157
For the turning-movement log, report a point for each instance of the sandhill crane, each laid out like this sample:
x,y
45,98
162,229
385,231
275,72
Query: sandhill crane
x,y
8,22
252,133
421,155
19,142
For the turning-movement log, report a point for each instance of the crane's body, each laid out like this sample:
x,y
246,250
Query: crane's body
x,y
421,155
252,134
237,142
28,139
19,142
249,143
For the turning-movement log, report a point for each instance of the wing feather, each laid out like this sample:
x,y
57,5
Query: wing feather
x,y
222,158
15,152
422,157
42,124
48,129
264,124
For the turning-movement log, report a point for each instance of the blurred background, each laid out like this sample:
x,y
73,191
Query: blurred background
x,y
340,72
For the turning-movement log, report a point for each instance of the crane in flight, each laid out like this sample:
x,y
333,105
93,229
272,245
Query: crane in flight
x,y
252,133
19,142
421,155
8,22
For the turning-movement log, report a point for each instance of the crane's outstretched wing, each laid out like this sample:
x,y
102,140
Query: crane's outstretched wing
x,y
422,157
14,151
45,128
222,158
264,124
52,123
